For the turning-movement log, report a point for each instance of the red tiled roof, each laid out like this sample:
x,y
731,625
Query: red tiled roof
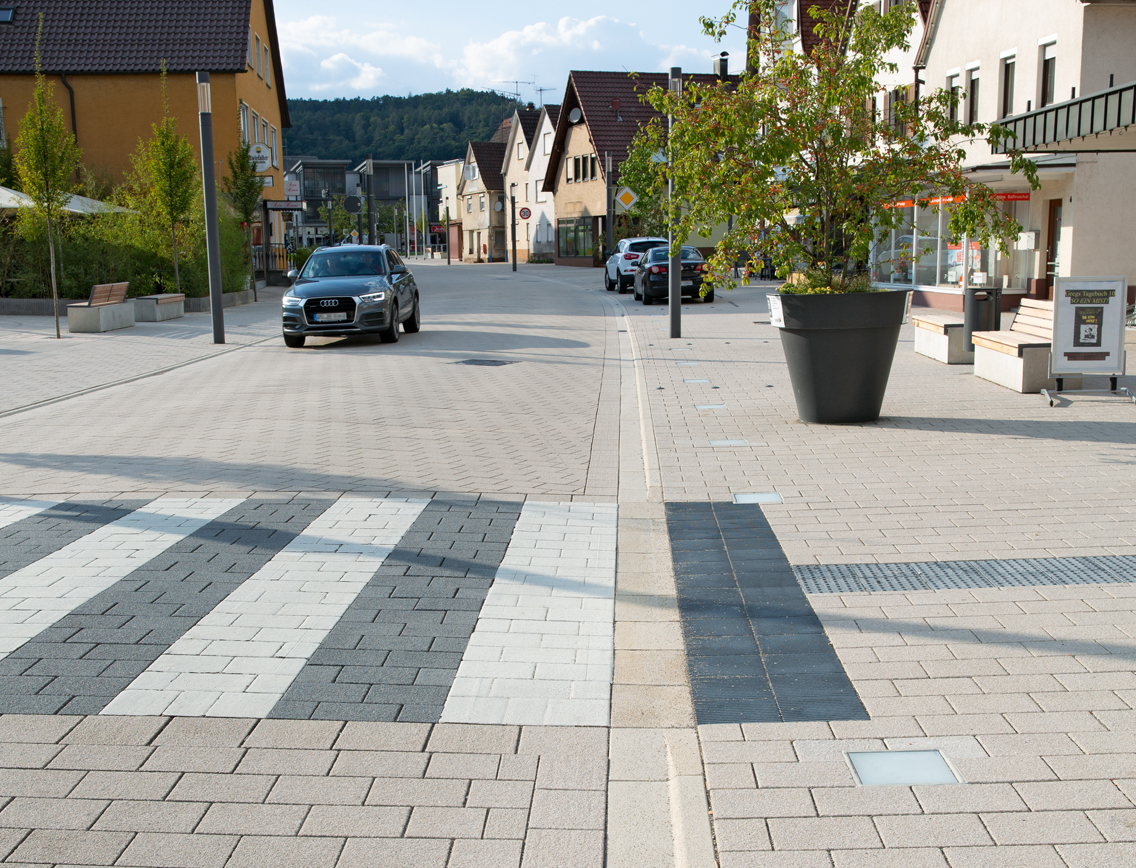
x,y
135,36
924,9
501,135
528,119
610,129
489,157
807,23
553,113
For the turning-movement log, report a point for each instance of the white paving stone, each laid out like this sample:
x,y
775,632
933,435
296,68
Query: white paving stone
x,y
12,511
35,597
542,650
239,659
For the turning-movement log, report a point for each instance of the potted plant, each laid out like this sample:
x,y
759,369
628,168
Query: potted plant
x,y
802,157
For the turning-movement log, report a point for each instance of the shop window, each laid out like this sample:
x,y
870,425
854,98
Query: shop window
x,y
1048,74
575,236
972,97
1008,67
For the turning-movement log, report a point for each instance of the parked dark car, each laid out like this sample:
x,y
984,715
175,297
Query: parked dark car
x,y
351,290
651,277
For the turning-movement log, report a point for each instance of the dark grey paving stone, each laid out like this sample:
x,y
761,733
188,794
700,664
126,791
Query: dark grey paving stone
x,y
91,654
22,543
414,616
755,649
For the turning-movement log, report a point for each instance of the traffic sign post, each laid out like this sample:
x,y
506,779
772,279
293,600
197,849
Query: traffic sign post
x,y
626,198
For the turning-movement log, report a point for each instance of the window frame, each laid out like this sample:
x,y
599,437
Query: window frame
x,y
246,123
249,57
973,94
1009,81
272,147
267,61
259,72
1047,75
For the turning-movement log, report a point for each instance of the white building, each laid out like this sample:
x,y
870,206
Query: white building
x,y
448,176
1062,75
515,173
540,227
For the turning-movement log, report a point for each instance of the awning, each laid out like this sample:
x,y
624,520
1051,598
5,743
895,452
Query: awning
x,y
1103,122
10,200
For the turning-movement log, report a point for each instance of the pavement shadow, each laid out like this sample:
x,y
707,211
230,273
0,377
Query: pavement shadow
x,y
1086,431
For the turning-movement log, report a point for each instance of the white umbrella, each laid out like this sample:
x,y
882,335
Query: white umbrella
x,y
10,200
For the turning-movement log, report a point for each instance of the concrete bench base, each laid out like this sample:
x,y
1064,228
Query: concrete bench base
x,y
946,346
100,318
1027,374
156,308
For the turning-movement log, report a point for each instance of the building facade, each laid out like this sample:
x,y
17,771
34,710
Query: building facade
x,y
481,196
541,225
515,174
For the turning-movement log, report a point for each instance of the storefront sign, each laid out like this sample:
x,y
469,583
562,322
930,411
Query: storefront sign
x,y
1088,326
278,205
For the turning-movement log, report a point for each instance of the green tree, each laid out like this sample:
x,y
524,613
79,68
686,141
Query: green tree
x,y
165,177
341,222
47,160
9,177
808,152
243,188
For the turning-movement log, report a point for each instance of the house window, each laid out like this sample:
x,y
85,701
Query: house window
x,y
267,78
953,89
259,69
263,131
468,204
481,202
595,168
972,97
527,232
1048,73
245,125
275,152
255,127
548,143
7,13
575,236
576,169
1008,66
251,59
520,150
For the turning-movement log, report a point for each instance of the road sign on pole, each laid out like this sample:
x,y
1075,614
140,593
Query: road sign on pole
x,y
627,198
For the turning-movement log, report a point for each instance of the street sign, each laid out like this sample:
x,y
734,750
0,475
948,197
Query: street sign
x,y
1088,326
627,198
260,157
354,236
292,188
525,213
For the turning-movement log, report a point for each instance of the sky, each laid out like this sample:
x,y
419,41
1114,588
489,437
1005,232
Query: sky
x,y
354,48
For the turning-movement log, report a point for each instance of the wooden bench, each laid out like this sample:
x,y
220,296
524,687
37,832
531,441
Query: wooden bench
x,y
938,335
106,310
1019,358
156,308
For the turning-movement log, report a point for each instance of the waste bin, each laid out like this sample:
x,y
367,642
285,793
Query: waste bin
x,y
979,313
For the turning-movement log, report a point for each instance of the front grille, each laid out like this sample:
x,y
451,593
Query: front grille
x,y
345,305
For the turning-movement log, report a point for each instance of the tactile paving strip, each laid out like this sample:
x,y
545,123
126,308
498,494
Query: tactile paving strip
x,y
946,575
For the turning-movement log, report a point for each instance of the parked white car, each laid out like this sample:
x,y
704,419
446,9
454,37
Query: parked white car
x,y
619,273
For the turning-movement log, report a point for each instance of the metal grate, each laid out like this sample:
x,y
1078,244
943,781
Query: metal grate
x,y
945,575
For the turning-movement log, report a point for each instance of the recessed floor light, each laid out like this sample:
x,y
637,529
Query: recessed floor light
x,y
758,497
901,767
686,363
728,443
696,381
709,406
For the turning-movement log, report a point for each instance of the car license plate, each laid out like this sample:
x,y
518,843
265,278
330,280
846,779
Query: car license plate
x,y
331,317
687,284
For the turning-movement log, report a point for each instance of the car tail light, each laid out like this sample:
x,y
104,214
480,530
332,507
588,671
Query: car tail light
x,y
630,255
658,269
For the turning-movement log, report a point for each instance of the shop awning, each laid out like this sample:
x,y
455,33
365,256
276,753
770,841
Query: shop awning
x,y
10,200
1103,122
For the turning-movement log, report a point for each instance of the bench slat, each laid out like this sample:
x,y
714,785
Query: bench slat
x,y
108,293
1026,328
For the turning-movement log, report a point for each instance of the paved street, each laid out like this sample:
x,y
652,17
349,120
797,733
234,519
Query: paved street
x,y
484,597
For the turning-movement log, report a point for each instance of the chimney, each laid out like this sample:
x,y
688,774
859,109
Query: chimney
x,y
722,65
531,107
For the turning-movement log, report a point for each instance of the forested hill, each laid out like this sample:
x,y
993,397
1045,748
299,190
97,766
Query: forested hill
x,y
429,126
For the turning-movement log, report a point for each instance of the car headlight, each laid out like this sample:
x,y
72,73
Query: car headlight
x,y
292,301
373,296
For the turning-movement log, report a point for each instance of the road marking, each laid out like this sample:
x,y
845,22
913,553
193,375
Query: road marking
x,y
542,650
12,511
239,659
38,595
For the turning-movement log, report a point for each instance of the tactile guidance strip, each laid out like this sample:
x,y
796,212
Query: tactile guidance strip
x,y
944,575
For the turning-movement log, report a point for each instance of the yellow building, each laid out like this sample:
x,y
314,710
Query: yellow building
x,y
105,60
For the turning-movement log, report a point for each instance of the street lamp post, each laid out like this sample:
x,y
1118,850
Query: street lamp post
x,y
513,220
209,181
674,269
447,232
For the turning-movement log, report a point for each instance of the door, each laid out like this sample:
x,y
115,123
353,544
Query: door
x,y
1053,246
399,281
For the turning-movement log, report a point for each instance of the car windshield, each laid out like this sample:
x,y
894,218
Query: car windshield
x,y
692,254
641,246
658,254
344,263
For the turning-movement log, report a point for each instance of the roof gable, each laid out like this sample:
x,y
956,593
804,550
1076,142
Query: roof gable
x,y
547,119
489,156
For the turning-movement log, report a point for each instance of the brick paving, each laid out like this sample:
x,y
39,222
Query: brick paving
x,y
969,557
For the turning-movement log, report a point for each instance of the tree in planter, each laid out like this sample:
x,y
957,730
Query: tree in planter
x,y
47,159
807,153
243,187
165,187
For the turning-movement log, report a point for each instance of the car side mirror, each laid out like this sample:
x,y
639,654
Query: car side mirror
x,y
292,275
398,269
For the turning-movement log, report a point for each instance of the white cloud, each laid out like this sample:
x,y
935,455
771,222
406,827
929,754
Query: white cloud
x,y
361,77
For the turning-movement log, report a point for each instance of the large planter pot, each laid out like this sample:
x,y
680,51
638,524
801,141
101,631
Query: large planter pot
x,y
839,349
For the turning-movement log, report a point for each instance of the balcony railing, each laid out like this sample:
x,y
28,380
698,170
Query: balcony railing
x,y
1096,122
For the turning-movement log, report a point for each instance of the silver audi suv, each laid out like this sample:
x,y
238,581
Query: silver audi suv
x,y
351,290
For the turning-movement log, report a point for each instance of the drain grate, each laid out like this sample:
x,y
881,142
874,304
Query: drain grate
x,y
485,363
947,575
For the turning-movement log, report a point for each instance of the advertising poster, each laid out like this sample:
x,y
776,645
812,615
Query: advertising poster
x,y
1088,326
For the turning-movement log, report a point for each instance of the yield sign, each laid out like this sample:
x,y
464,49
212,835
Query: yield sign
x,y
626,198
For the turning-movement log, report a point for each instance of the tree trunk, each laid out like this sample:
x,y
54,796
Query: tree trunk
x,y
252,261
177,277
54,288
